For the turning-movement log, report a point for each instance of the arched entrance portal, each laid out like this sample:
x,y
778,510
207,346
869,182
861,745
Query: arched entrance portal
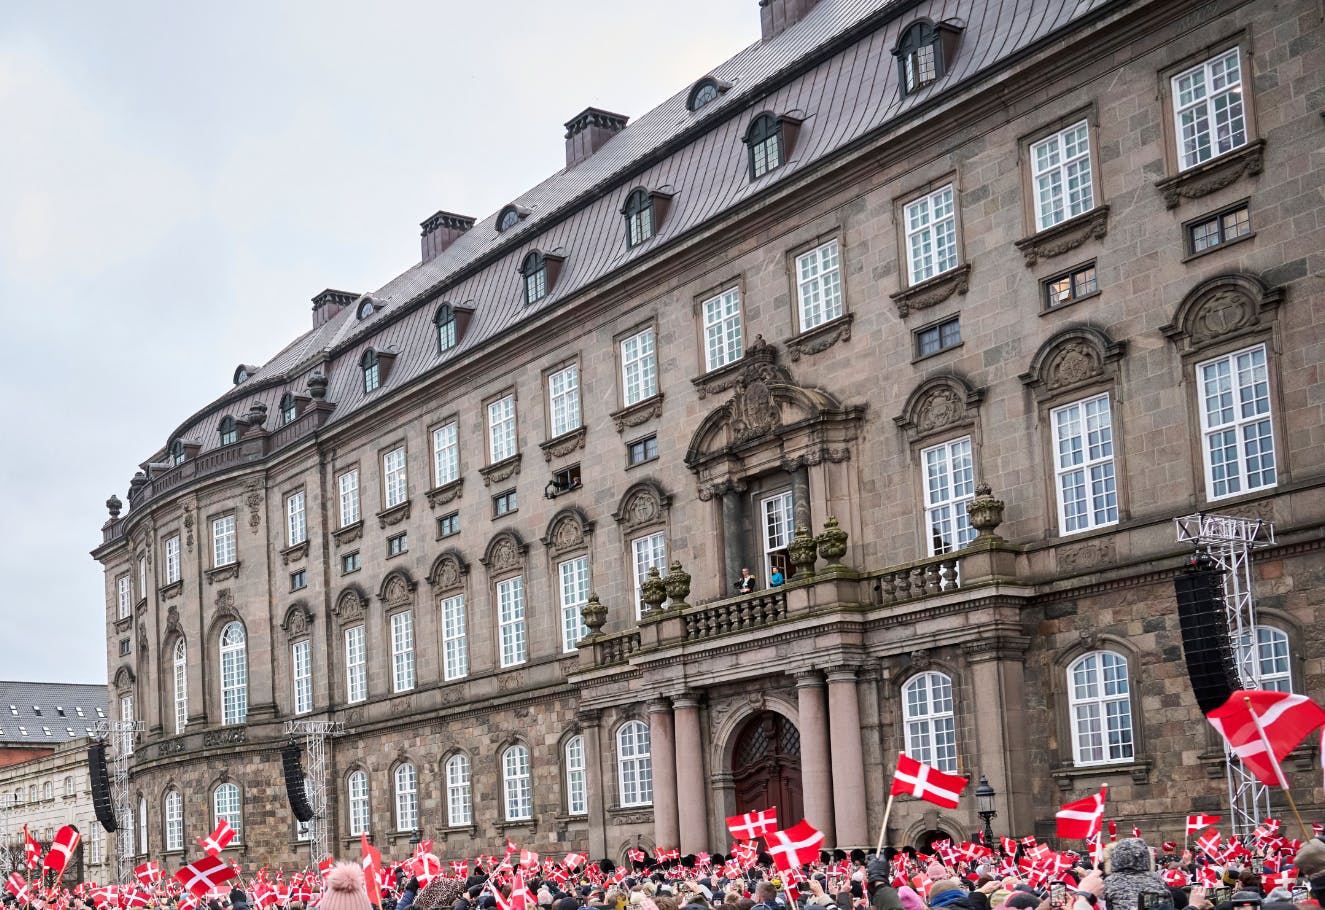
x,y
766,766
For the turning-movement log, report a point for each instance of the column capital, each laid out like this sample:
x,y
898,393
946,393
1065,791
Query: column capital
x,y
659,705
687,700
588,717
842,673
996,647
809,679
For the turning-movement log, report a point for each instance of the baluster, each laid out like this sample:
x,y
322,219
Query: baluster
x,y
888,588
904,584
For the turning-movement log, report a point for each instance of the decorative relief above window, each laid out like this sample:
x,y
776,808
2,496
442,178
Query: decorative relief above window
x,y
351,605
448,571
1212,176
501,471
931,293
1073,359
640,412
943,404
1065,236
564,444
394,515
298,621
1221,308
645,504
505,553
820,338
445,494
569,530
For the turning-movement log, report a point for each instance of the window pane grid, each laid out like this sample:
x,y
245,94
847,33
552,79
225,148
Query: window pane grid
x,y
564,392
1235,419
445,454
1101,709
931,235
402,652
647,552
1083,446
357,788
407,798
574,576
356,669
174,817
510,618
723,343
349,497
501,428
459,803
949,486
776,512
639,372
180,668
454,650
1266,661
226,804
930,725
516,784
234,674
301,660
223,541
172,559
1207,105
634,764
1062,176
819,285
577,790
394,482
296,527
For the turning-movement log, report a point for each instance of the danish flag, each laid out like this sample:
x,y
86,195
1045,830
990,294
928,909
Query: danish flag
x,y
1082,818
797,845
460,868
753,824
528,860
1209,842
1274,880
573,860
913,778
205,874
521,898
1009,846
370,858
135,897
1262,727
324,866
16,886
32,849
219,839
1197,822
148,873
66,840
663,855
188,901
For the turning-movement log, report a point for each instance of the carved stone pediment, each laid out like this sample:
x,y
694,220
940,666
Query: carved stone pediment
x,y
568,530
505,552
446,494
564,444
931,293
1223,308
351,605
940,404
639,413
397,590
1065,236
394,515
348,534
1076,357
295,553
448,571
223,573
298,620
820,338
643,504
1214,175
501,471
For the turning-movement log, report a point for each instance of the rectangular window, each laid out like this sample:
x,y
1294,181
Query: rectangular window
x,y
125,647
931,235
940,337
123,597
1083,456
402,651
510,620
142,577
819,285
647,552
723,341
445,454
223,540
577,785
356,665
298,580
1070,286
501,429
1208,110
504,503
397,544
567,479
296,524
535,285
395,484
949,486
1235,423
349,497
448,525
639,368
350,562
574,576
563,389
1218,229
126,737
459,805
455,651
174,820
642,450
1060,171
776,519
172,559
301,663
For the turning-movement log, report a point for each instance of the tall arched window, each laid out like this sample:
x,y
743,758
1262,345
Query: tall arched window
x,y
1268,656
930,728
764,141
919,57
1100,701
633,763
639,217
407,797
577,782
372,370
234,674
142,826
356,789
180,676
516,784
227,806
459,802
534,271
445,322
173,812
229,433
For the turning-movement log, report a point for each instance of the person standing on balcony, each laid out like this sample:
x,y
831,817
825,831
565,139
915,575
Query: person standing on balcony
x,y
746,583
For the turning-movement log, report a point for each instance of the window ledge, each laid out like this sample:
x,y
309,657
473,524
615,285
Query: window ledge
x,y
295,553
348,534
1065,236
642,411
934,291
171,590
394,515
1067,776
223,573
501,470
1217,247
1045,309
445,494
820,338
631,815
515,824
470,830
563,445
921,358
1214,175
123,623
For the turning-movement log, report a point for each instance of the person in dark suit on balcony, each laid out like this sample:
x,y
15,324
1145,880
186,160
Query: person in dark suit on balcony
x,y
746,583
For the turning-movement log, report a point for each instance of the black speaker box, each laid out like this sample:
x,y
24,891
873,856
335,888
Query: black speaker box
x,y
1211,664
102,801
294,782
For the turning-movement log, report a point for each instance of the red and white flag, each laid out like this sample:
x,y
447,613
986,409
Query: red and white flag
x,y
16,886
1262,727
149,873
1197,822
31,849
1209,842
636,856
528,860
755,824
324,866
521,898
219,839
66,840
913,778
663,856
1272,880
133,896
797,845
370,858
1082,818
459,868
1009,846
205,874
573,860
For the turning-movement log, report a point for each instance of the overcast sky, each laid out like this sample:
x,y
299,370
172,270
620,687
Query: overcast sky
x,y
178,179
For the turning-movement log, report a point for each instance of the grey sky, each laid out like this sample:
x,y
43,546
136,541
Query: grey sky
x,y
177,180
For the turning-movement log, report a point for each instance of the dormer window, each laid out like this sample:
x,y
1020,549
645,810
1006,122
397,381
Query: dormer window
x,y
639,217
705,90
243,372
177,452
372,371
289,408
366,308
228,430
534,270
510,217
764,139
446,328
924,53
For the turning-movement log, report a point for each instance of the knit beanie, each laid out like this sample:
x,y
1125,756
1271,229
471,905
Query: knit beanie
x,y
344,889
945,891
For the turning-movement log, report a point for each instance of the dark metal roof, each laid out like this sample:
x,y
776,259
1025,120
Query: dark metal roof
x,y
47,714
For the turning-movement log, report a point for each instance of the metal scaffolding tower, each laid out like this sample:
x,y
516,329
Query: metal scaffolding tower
x,y
315,734
1228,541
6,856
121,735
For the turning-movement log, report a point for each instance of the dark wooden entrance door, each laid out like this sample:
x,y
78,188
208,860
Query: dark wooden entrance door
x,y
766,767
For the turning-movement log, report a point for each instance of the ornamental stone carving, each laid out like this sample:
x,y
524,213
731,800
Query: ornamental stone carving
x,y
568,530
644,504
1073,363
1214,175
448,571
931,293
397,590
939,404
505,552
351,605
1086,555
820,338
298,621
1227,306
1067,236
1077,356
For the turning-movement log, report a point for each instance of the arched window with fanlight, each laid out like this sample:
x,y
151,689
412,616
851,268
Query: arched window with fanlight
x,y
1099,696
407,797
534,272
1263,654
179,663
634,764
517,785
234,674
356,790
764,141
228,807
639,217
446,327
173,822
228,430
459,801
929,723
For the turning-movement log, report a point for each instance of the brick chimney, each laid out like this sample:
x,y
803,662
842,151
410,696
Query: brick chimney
x,y
776,16
588,130
440,231
329,303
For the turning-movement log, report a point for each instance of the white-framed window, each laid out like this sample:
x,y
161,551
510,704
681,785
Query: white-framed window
x,y
1268,657
1208,110
501,428
407,797
128,833
179,661
1235,423
348,484
639,367
142,825
296,522
234,674
574,577
819,285
301,671
931,235
776,520
227,805
172,559
459,802
142,577
646,553
1083,460
97,853
927,716
395,484
445,454
724,342
173,811
126,737
1100,703
402,651
356,791
949,486
1060,172
517,786
563,389
455,649
356,665
633,764
123,597
510,620
577,781
223,540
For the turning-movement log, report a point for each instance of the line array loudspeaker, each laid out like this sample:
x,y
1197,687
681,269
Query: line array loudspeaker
x,y
294,782
102,801
1211,664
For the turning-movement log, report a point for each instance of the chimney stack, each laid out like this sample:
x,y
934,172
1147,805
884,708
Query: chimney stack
x,y
329,303
440,231
776,16
587,132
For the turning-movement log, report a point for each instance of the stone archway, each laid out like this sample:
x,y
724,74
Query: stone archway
x,y
766,766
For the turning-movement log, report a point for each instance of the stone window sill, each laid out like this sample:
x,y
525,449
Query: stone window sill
x,y
563,445
501,470
1065,236
394,515
1214,175
445,494
295,553
348,534
934,291
821,337
223,573
171,590
1067,776
642,411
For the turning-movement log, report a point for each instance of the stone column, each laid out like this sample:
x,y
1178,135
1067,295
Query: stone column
x,y
692,794
733,537
800,498
662,753
816,772
848,760
998,678
594,762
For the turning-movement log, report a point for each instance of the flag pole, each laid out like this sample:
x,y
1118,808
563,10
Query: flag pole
x,y
1278,771
887,810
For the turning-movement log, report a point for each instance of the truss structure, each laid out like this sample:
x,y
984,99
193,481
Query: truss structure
x,y
1228,541
7,803
121,734
315,734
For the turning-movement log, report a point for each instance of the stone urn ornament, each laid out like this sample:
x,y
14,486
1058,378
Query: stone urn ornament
x,y
802,551
832,541
594,616
654,590
985,512
677,584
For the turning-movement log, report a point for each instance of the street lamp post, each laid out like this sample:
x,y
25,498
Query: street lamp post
x,y
984,807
